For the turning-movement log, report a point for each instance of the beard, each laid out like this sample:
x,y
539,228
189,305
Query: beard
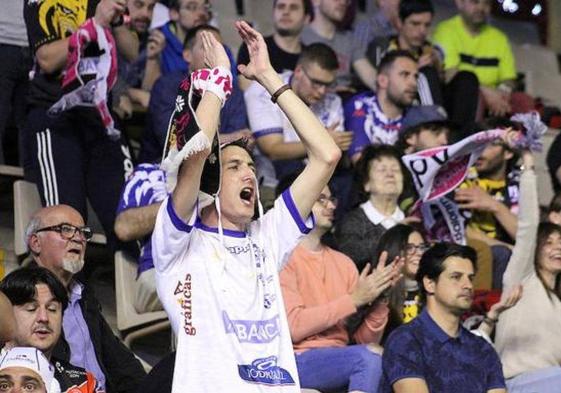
x,y
287,32
73,266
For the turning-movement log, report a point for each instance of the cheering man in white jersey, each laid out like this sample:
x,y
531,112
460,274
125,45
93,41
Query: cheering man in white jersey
x,y
216,269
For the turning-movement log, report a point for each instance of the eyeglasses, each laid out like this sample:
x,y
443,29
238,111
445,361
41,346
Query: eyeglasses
x,y
317,84
324,200
194,7
410,248
68,231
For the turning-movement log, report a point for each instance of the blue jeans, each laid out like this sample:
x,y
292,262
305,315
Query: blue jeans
x,y
544,380
332,369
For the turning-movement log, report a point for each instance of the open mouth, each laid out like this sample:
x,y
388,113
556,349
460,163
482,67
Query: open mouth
x,y
75,251
42,332
247,194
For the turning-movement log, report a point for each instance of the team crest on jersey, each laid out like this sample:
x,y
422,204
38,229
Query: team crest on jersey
x,y
61,18
265,371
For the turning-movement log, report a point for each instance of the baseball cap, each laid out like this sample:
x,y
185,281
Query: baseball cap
x,y
34,360
417,115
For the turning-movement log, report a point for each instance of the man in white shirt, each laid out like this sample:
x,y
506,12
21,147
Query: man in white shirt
x,y
216,269
276,138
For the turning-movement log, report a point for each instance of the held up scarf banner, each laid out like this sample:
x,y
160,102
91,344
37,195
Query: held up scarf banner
x,y
438,171
185,137
88,79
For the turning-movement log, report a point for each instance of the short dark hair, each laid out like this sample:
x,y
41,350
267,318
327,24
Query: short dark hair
x,y
189,40
432,261
320,54
410,7
19,285
371,153
308,7
391,56
555,204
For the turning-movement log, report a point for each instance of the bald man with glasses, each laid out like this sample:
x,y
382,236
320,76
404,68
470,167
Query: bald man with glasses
x,y
56,238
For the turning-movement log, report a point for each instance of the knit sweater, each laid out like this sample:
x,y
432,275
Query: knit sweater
x,y
528,335
316,288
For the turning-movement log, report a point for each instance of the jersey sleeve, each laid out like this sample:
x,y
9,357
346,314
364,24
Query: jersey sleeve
x,y
283,227
145,186
171,237
264,116
37,26
355,116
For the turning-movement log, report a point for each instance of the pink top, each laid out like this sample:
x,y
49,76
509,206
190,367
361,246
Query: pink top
x,y
316,288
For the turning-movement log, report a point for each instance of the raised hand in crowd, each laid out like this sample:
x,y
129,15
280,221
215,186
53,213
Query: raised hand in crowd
x,y
509,299
156,44
108,11
214,52
259,63
371,284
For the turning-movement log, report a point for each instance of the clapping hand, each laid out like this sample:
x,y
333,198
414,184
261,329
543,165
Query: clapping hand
x,y
371,285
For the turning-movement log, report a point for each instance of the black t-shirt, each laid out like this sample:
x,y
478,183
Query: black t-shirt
x,y
46,22
280,59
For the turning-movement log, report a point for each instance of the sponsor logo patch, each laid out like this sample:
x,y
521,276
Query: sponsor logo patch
x,y
265,371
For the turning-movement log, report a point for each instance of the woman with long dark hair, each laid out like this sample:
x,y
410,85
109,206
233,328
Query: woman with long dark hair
x,y
528,337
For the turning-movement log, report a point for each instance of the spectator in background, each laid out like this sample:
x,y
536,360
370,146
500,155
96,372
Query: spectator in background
x,y
383,23
324,28
553,161
375,117
423,127
434,353
233,116
284,45
137,77
184,16
71,157
460,95
26,369
275,136
321,288
491,192
56,237
39,300
527,337
14,70
380,175
407,242
470,43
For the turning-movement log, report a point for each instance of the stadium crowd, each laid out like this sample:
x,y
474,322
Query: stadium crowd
x,y
343,205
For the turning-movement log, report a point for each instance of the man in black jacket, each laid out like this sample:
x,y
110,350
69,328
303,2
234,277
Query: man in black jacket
x,y
57,237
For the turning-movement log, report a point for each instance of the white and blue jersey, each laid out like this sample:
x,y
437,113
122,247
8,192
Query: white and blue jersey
x,y
267,118
224,299
145,186
370,126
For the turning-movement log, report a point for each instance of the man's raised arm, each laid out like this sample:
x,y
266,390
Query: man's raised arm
x,y
185,193
323,153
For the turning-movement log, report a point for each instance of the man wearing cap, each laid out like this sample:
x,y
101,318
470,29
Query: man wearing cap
x,y
26,369
423,127
56,237
39,299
